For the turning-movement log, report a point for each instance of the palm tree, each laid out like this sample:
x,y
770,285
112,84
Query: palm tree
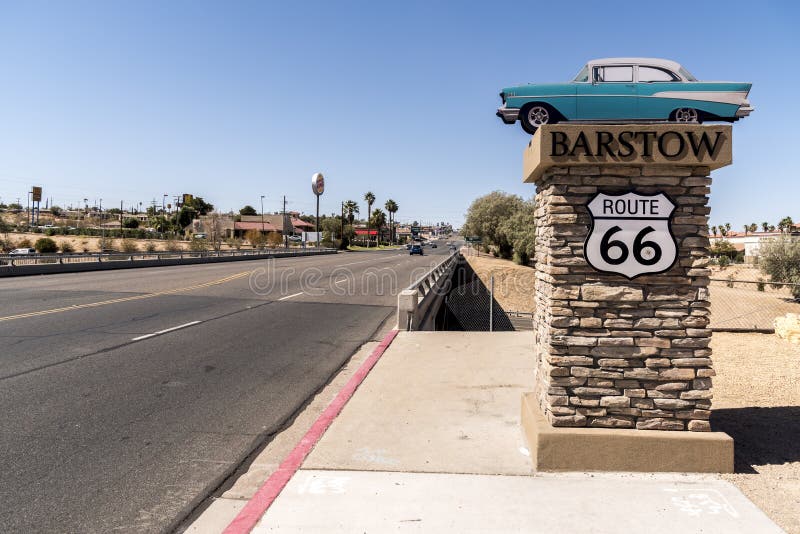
x,y
765,226
714,230
378,221
369,198
753,227
350,209
392,207
785,224
746,228
728,227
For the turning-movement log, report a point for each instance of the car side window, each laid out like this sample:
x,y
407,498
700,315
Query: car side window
x,y
613,74
654,74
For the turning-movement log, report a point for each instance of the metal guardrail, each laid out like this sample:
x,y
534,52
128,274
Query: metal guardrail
x,y
418,304
11,261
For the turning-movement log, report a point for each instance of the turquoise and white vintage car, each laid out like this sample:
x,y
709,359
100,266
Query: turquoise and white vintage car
x,y
626,90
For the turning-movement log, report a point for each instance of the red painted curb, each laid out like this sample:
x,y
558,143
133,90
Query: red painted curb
x,y
249,516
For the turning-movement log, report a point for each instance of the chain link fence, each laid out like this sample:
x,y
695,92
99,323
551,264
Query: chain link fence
x,y
749,306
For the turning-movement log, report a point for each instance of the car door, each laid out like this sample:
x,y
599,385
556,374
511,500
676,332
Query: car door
x,y
610,95
655,90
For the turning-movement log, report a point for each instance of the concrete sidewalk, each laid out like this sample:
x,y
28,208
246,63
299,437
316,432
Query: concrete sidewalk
x,y
431,442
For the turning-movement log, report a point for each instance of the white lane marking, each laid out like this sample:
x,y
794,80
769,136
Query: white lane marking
x,y
167,330
353,263
290,296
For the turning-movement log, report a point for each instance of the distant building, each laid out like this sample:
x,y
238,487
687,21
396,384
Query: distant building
x,y
749,243
230,227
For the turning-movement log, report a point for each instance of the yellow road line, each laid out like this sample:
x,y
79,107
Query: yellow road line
x,y
125,299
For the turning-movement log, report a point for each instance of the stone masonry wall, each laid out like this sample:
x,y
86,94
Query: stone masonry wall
x,y
613,352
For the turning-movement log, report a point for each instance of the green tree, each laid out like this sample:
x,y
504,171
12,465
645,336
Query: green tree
x,y
723,247
378,221
14,206
369,198
199,205
45,245
392,207
520,230
785,224
55,210
248,210
488,218
765,226
780,259
130,222
185,216
350,210
714,230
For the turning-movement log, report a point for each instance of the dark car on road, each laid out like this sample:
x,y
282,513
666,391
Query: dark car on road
x,y
415,249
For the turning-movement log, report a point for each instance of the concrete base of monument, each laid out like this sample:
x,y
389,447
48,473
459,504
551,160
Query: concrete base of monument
x,y
612,449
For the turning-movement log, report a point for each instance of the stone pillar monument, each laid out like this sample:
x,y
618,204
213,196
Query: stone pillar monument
x,y
622,302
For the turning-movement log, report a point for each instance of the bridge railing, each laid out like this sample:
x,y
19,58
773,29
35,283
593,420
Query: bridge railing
x,y
418,305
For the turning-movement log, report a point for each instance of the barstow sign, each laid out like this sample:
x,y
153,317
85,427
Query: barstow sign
x,y
666,144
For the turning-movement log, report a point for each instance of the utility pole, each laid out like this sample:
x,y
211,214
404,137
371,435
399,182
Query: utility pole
x,y
120,213
342,233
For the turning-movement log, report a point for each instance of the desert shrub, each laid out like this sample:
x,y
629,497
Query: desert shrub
x,y
46,245
67,248
780,259
106,244
198,245
150,246
172,245
24,243
521,257
256,238
760,285
274,239
723,261
129,245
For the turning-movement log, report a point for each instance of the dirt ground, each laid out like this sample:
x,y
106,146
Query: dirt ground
x,y
757,402
756,395
513,284
82,243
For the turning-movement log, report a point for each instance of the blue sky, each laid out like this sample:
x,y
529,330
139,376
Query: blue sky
x,y
234,100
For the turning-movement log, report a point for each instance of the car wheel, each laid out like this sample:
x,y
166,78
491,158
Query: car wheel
x,y
689,115
535,115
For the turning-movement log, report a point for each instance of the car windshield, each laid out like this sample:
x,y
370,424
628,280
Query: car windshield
x,y
687,75
583,75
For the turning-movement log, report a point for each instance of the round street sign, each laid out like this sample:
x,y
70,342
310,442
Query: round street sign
x,y
318,183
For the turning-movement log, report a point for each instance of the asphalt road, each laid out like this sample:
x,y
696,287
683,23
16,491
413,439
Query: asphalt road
x,y
107,427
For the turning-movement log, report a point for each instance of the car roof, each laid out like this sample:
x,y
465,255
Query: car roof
x,y
652,61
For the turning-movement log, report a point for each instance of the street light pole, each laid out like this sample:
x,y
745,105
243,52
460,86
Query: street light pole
x,y
262,214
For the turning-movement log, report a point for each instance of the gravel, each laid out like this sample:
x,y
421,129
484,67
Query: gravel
x,y
757,402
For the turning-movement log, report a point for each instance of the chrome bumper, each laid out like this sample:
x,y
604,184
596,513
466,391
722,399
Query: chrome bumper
x,y
509,115
744,111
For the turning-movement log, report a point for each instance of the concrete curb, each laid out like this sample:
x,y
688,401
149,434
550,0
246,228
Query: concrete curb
x,y
250,515
56,268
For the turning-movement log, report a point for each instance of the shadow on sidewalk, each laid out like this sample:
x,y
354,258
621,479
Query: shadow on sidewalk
x,y
762,436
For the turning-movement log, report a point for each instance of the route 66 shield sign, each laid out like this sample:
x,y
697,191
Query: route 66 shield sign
x,y
631,234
